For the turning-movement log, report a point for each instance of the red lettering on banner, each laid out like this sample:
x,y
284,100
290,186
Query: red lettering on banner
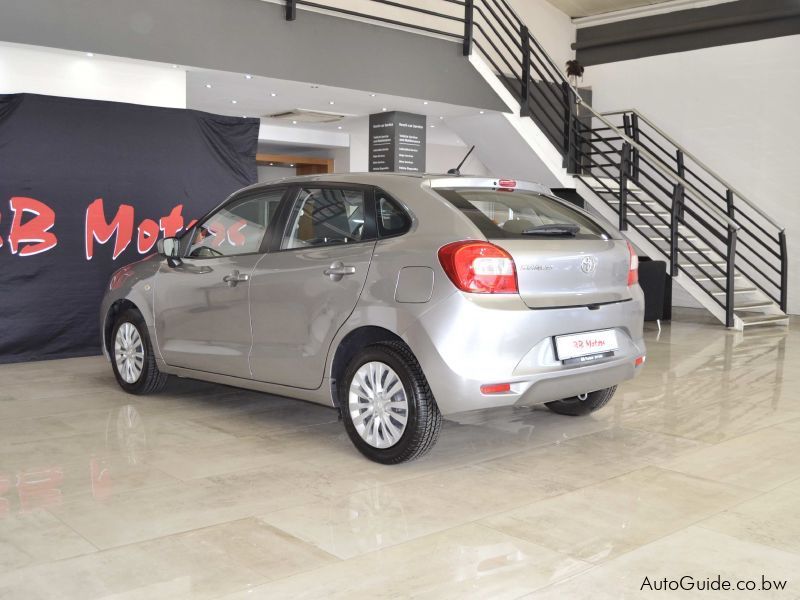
x,y
35,232
97,228
172,223
147,236
32,220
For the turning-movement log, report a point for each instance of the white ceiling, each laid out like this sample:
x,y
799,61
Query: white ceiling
x,y
238,94
585,8
254,98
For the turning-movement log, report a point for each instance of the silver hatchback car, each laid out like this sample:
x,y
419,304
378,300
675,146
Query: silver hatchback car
x,y
395,298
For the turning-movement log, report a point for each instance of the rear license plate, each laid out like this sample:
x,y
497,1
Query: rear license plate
x,y
576,345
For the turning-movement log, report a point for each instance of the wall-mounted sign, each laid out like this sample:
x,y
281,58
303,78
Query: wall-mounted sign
x,y
397,142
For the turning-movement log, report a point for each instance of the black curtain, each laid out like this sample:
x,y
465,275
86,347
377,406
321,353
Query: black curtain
x,y
88,186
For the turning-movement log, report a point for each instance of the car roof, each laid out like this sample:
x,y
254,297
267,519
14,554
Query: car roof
x,y
435,180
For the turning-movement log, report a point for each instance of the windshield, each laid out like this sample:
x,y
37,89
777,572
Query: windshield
x,y
521,214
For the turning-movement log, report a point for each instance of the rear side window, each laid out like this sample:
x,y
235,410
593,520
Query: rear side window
x,y
324,217
392,219
519,213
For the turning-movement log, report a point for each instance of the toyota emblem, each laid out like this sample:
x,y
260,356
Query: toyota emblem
x,y
588,264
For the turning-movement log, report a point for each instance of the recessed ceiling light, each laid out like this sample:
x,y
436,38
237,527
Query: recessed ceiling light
x,y
273,94
294,122
372,95
234,102
248,76
90,54
441,118
291,165
270,164
433,126
384,109
339,127
331,103
174,66
208,85
425,102
482,112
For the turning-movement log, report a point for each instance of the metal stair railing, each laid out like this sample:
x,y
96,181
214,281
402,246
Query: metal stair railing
x,y
667,203
762,238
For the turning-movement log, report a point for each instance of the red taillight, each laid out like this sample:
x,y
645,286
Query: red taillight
x,y
507,183
479,267
495,388
633,268
639,361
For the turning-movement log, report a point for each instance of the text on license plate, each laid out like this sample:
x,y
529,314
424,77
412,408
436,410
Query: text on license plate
x,y
581,344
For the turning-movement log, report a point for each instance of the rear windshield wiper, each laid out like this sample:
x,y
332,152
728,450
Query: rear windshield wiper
x,y
554,229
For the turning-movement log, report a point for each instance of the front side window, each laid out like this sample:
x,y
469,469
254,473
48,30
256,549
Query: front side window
x,y
237,228
323,217
520,213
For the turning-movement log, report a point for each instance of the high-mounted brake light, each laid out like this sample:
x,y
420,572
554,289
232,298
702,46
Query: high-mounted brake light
x,y
479,267
507,183
633,268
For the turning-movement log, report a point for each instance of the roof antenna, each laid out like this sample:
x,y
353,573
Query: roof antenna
x,y
457,170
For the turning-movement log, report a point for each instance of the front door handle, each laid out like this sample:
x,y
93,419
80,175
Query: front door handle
x,y
235,278
338,270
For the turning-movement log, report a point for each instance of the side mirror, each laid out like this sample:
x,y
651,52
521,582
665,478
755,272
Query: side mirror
x,y
170,248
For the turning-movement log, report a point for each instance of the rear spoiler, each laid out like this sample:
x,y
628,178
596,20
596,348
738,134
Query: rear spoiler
x,y
491,183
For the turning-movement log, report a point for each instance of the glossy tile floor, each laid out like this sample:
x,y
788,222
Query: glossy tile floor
x,y
211,492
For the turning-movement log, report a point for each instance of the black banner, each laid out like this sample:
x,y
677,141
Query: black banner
x,y
88,186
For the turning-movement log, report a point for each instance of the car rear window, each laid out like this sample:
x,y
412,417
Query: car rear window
x,y
507,214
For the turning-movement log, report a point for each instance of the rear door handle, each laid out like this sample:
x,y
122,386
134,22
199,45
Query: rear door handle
x,y
338,270
235,278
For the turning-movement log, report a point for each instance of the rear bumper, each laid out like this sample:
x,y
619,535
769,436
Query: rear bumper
x,y
467,341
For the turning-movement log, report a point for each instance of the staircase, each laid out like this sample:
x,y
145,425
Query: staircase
x,y
727,253
718,245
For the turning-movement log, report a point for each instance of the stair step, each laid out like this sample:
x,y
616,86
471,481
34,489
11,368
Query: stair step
x,y
611,182
720,278
682,237
704,265
737,291
752,305
701,250
663,214
765,320
630,200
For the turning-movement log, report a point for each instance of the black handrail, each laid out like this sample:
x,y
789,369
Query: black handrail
x,y
755,239
649,171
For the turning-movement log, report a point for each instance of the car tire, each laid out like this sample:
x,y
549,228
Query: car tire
x,y
576,407
380,435
139,374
